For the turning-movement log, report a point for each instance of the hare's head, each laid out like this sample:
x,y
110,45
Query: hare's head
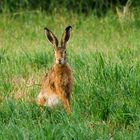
x,y
59,49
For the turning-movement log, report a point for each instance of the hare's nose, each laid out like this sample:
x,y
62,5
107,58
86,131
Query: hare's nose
x,y
59,61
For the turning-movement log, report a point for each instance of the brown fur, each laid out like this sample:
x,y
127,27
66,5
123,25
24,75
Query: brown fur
x,y
58,81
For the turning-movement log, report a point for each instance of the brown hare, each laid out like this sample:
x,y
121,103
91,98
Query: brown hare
x,y
57,84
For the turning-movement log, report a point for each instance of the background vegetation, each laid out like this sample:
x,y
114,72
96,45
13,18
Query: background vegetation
x,y
99,7
104,54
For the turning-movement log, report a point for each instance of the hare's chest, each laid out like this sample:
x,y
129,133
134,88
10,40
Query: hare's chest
x,y
62,78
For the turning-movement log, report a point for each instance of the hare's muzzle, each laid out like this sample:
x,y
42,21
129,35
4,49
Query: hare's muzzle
x,y
60,61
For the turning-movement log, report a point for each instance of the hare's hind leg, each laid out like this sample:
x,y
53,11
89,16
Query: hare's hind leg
x,y
65,99
66,104
41,100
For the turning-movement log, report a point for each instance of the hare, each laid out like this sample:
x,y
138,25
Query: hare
x,y
57,84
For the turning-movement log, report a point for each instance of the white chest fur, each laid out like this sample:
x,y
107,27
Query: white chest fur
x,y
52,100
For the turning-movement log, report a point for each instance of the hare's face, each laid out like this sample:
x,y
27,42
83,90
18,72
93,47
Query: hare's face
x,y
59,52
60,56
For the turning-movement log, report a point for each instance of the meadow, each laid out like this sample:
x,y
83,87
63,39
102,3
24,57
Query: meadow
x,y
104,54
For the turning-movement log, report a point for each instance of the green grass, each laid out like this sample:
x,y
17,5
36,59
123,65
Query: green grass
x,y
105,57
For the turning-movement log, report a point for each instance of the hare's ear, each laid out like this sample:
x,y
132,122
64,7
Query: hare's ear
x,y
51,37
65,36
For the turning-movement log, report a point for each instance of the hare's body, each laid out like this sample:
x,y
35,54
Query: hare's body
x,y
57,84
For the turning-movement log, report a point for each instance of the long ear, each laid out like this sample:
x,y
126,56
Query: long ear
x,y
51,37
65,36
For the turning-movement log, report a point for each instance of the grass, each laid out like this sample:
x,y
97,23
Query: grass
x,y
105,57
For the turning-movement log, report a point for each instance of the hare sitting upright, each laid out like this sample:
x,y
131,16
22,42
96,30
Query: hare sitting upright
x,y
57,84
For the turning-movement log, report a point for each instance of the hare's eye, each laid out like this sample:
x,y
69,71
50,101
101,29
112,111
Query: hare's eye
x,y
65,52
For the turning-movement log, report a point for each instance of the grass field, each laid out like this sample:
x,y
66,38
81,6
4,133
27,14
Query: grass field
x,y
104,54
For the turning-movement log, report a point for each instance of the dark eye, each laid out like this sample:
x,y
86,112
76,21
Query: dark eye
x,y
65,52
